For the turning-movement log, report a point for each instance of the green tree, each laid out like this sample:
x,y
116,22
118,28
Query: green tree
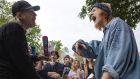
x,y
5,11
128,10
33,36
58,47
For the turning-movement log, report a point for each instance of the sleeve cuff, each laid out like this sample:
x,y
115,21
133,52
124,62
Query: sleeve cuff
x,y
111,71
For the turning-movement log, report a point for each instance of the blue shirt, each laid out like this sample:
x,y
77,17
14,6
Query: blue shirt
x,y
117,53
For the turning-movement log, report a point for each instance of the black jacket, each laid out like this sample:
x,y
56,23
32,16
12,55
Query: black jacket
x,y
58,68
14,60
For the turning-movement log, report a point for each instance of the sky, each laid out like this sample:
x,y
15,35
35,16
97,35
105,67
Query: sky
x,y
58,19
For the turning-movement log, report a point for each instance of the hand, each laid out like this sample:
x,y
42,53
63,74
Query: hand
x,y
106,75
51,73
56,75
79,46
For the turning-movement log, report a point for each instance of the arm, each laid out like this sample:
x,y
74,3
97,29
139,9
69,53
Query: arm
x,y
86,70
51,73
48,73
119,52
87,50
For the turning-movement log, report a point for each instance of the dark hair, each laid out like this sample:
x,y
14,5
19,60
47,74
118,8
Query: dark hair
x,y
67,56
55,52
103,7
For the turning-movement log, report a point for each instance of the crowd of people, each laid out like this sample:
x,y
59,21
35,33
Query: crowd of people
x,y
70,68
116,55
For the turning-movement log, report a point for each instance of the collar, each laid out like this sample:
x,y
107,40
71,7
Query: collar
x,y
107,26
16,20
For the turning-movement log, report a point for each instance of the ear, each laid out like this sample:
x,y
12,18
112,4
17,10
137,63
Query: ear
x,y
20,15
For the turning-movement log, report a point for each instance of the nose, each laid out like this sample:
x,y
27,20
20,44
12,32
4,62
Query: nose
x,y
34,13
93,11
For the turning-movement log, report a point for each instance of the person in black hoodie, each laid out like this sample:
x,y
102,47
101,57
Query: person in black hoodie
x,y
15,62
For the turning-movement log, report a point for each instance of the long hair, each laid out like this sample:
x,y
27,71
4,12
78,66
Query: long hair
x,y
73,67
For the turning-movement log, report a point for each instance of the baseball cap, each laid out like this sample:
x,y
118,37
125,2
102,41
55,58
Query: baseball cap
x,y
23,6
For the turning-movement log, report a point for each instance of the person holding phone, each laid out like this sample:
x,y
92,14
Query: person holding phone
x,y
117,54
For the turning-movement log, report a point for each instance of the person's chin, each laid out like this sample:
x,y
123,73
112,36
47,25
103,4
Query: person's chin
x,y
33,25
98,26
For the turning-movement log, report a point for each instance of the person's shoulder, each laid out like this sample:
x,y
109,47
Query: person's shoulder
x,y
118,23
13,27
121,24
116,20
11,24
9,27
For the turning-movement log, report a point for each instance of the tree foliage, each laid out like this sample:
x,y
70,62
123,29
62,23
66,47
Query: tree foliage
x,y
5,11
128,10
57,44
33,38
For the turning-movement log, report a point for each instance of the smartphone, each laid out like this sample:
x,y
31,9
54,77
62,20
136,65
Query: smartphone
x,y
45,45
33,51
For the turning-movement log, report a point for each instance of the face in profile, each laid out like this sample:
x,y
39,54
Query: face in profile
x,y
28,18
98,17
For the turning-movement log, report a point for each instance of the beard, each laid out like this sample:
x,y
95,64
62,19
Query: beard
x,y
99,24
99,21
